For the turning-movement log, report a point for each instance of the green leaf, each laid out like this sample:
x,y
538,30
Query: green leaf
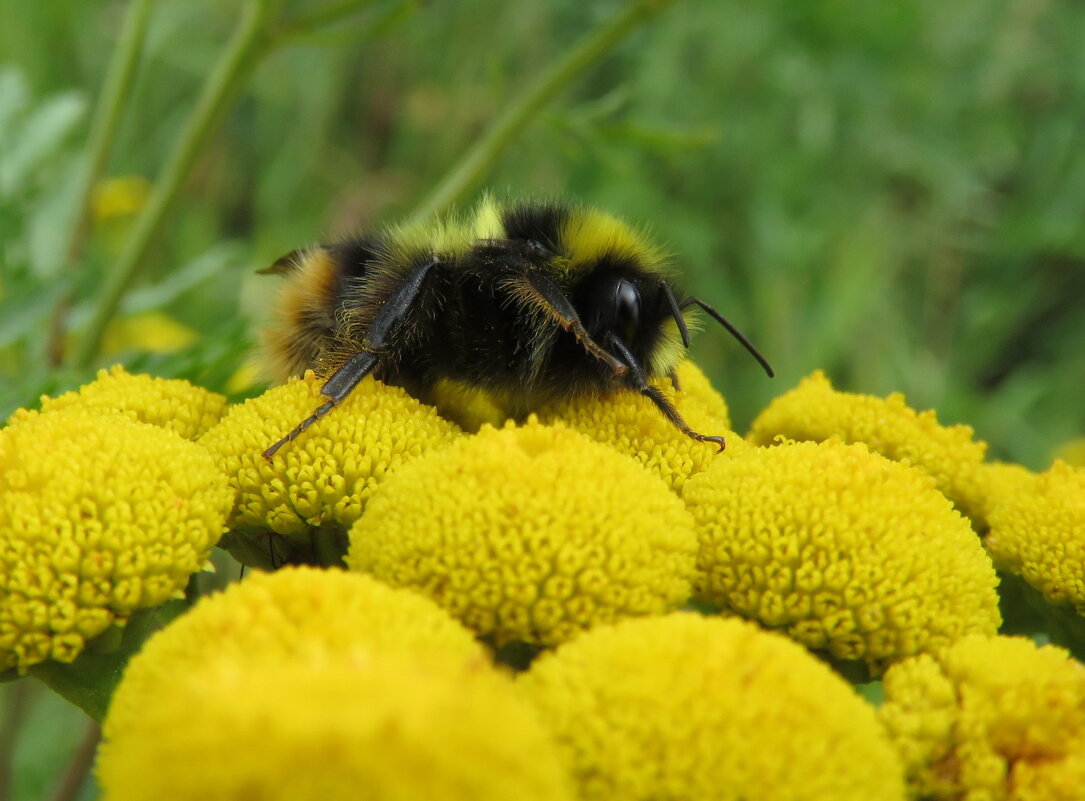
x,y
89,681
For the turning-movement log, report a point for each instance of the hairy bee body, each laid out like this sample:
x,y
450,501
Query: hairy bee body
x,y
529,302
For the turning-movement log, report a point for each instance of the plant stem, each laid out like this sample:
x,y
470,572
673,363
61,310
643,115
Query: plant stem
x,y
237,60
103,128
75,776
328,15
479,159
16,706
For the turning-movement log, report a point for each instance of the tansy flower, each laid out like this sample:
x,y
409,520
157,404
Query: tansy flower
x,y
153,331
1039,533
281,617
996,482
631,424
173,404
688,707
100,515
530,533
841,548
1072,452
990,718
323,478
121,196
313,685
815,411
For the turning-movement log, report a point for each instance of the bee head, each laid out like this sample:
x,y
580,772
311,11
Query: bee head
x,y
624,301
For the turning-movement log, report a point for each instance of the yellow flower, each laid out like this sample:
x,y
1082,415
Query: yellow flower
x,y
313,685
122,196
325,476
173,404
990,718
1039,533
99,516
530,533
688,707
815,411
1072,452
843,549
282,617
996,482
152,331
631,424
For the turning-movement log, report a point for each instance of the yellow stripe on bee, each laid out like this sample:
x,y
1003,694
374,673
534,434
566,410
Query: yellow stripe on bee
x,y
487,223
589,235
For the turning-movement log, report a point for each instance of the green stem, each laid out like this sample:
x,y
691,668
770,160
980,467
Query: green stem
x,y
79,766
237,60
329,15
116,89
119,78
17,701
474,165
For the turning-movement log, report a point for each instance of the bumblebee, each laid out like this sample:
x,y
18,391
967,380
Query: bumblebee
x,y
528,302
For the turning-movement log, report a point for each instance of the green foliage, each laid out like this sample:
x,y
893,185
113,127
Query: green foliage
x,y
892,192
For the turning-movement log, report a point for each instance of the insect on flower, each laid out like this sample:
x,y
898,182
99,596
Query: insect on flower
x,y
529,301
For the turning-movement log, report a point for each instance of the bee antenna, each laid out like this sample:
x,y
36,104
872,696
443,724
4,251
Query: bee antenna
x,y
719,318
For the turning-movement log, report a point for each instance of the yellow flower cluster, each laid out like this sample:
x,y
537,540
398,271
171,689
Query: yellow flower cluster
x,y
815,411
327,475
989,719
688,707
173,404
1039,533
308,685
531,533
843,549
100,515
631,424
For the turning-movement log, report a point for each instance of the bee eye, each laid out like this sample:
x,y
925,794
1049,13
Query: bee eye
x,y
626,310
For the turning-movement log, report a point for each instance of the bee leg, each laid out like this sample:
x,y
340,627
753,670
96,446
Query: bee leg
x,y
537,291
395,309
673,376
676,312
719,318
336,388
656,396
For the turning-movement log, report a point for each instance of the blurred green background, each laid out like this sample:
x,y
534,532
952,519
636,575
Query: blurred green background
x,y
894,192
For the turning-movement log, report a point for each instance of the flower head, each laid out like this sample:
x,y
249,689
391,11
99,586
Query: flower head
x,y
631,424
842,548
326,476
815,411
989,718
683,706
530,533
1039,533
173,404
100,515
310,684
286,615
